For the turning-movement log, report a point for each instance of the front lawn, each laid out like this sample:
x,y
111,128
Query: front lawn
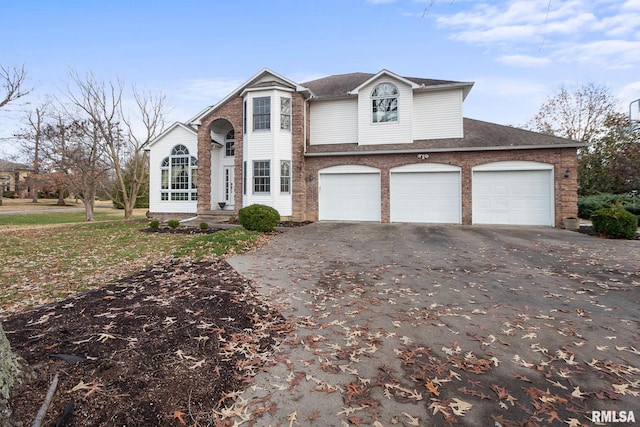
x,y
41,264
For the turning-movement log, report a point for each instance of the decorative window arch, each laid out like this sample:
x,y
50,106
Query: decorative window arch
x,y
179,175
229,144
384,101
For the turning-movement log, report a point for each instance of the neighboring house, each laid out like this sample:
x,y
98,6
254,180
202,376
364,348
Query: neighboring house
x,y
361,147
13,178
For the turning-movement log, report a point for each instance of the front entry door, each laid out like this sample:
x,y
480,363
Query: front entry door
x,y
229,193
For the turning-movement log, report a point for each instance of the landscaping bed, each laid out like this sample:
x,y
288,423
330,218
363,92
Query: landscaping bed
x,y
170,345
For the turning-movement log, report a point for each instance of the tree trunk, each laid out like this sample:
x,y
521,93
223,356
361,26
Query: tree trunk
x,y
89,202
12,371
61,198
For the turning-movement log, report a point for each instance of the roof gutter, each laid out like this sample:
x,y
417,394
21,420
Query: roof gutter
x,y
441,150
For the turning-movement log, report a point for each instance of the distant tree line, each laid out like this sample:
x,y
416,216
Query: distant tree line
x,y
610,160
89,139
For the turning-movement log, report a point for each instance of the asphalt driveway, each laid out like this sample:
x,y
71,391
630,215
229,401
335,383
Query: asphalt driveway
x,y
399,324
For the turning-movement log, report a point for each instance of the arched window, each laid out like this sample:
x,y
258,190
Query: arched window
x,y
384,99
229,144
179,175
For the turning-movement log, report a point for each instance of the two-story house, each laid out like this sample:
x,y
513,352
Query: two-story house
x,y
360,147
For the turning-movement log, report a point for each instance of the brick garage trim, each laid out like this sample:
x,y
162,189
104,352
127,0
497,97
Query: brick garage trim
x,y
562,159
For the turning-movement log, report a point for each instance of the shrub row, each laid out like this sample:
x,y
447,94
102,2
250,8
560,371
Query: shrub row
x,y
587,205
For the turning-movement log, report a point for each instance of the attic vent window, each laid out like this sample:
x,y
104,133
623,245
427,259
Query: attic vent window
x,y
385,103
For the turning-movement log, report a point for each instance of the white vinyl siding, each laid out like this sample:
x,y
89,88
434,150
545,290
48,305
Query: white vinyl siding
x,y
428,193
161,148
514,193
271,145
437,115
334,122
396,132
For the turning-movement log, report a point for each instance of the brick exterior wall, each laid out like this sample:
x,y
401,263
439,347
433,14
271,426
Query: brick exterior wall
x,y
298,164
305,169
231,112
563,159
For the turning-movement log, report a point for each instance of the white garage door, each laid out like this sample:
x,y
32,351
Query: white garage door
x,y
349,193
425,193
518,197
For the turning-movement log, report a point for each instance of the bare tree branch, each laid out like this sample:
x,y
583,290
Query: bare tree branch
x,y
12,80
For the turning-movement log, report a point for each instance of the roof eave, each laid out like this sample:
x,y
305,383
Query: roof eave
x,y
443,150
167,131
378,75
465,86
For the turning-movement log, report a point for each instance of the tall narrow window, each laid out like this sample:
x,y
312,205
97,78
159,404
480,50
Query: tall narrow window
x,y
385,103
285,113
262,113
244,177
244,117
229,144
285,176
178,175
262,176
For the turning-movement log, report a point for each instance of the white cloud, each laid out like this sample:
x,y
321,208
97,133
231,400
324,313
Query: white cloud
x,y
524,60
610,54
604,32
631,5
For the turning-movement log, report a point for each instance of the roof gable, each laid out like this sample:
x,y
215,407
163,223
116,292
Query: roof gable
x,y
263,79
381,73
169,130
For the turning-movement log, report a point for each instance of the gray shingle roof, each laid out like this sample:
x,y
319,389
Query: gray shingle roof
x,y
341,84
8,166
478,136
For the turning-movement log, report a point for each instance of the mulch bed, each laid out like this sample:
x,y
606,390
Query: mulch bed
x,y
168,346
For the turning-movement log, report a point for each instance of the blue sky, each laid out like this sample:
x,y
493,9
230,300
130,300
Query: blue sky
x,y
517,52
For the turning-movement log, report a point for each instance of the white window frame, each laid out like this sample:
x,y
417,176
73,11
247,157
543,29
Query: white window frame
x,y
285,177
264,186
229,144
262,113
285,113
180,188
384,103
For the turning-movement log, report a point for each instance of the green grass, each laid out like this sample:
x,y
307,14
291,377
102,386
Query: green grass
x,y
234,240
50,218
50,262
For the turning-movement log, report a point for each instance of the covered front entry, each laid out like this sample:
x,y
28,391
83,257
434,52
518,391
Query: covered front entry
x,y
427,192
514,193
349,193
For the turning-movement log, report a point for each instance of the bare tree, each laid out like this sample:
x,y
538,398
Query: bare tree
x,y
74,147
578,113
31,140
124,138
12,81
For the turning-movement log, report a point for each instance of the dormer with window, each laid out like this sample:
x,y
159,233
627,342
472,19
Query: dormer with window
x,y
384,103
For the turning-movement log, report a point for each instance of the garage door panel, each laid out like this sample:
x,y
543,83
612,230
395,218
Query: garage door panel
x,y
513,197
430,197
349,197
